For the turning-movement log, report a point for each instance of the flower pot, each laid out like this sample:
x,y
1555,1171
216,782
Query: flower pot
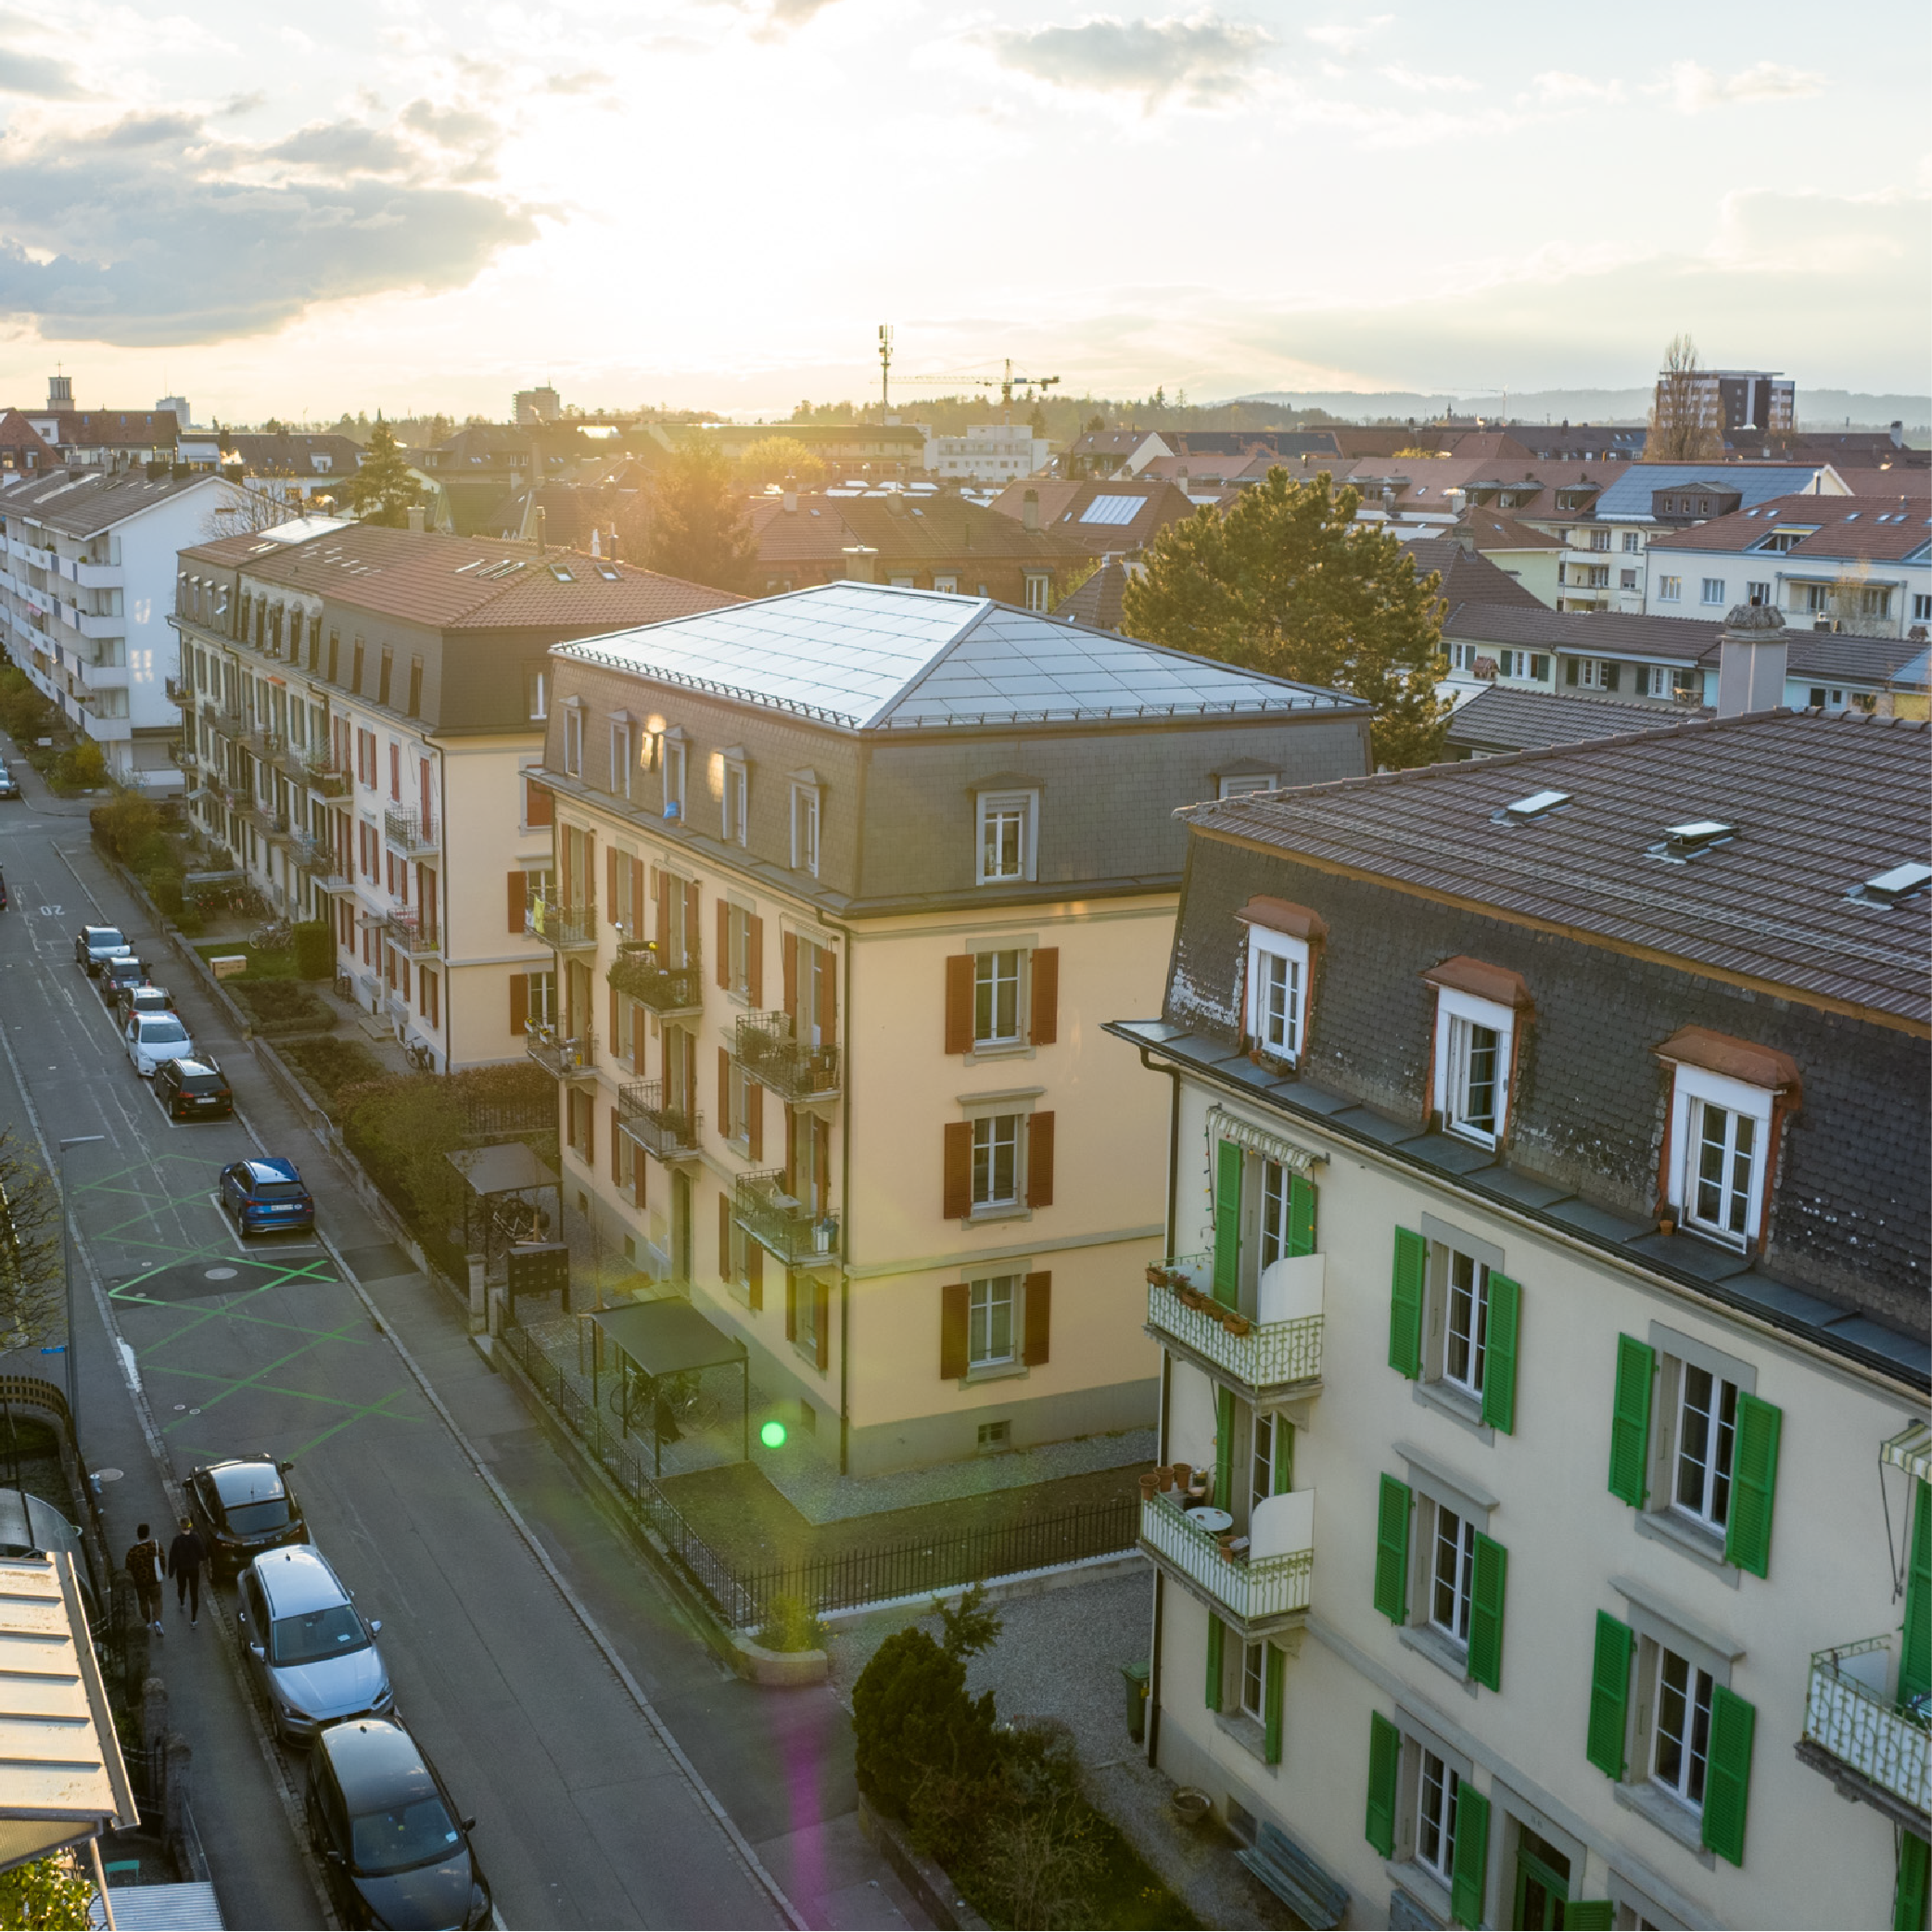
x,y
1150,1483
1236,1324
1190,1806
1164,1477
1156,1274
1182,1471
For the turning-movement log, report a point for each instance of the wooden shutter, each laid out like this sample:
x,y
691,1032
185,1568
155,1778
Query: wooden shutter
x,y
724,942
539,805
617,1150
693,939
1909,1892
662,882
1727,1775
1610,1695
1229,1161
519,897
639,904
1630,1420
1505,1303
1039,1160
610,882
1392,1550
791,1306
958,1174
791,1153
1915,1649
960,968
589,1149
519,1002
615,1037
1590,1914
1405,1302
955,1324
754,960
1753,1484
788,960
1272,1671
1301,1214
1470,1878
754,1273
1043,1005
590,875
821,1318
1384,1763
1224,1448
755,1121
1039,1292
1486,1613
724,1092
821,1164
724,1235
825,969
1216,1638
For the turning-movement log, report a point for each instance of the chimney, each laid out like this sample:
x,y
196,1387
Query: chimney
x,y
1751,661
540,530
1897,436
416,517
788,502
1030,509
611,544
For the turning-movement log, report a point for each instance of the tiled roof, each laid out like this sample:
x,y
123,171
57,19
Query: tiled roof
x,y
1875,661
1503,718
1896,480
940,528
1496,530
18,433
1881,528
83,502
1600,633
1466,577
105,428
1111,516
1096,603
1820,804
293,455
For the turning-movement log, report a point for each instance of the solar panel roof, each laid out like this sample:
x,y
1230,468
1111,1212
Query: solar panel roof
x,y
1113,509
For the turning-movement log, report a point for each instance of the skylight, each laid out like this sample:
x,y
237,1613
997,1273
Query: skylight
x,y
1904,881
1535,805
1113,509
562,573
1695,836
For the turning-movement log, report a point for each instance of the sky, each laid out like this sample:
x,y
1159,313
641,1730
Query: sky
x,y
416,205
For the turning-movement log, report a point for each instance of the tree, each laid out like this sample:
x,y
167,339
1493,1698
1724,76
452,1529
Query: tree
x,y
697,529
1287,582
48,1894
383,490
31,1306
1678,432
247,508
781,459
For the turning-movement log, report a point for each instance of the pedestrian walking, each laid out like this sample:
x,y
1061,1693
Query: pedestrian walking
x,y
144,1562
186,1556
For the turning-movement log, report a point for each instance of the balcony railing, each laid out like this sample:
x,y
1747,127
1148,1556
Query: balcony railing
x,y
324,775
280,829
638,973
671,1133
403,827
775,1058
569,928
179,692
1262,1356
782,1223
408,935
1256,1593
183,756
562,1056
1854,1723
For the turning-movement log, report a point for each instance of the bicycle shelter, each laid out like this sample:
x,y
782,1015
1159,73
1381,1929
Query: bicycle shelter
x,y
669,1337
493,1178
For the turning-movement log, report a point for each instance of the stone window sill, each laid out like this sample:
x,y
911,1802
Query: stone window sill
x,y
981,1215
992,1372
1704,1547
806,1350
1442,1651
1675,1820
1247,1733
1462,1408
990,1050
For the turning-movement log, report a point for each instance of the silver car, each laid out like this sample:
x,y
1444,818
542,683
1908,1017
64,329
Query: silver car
x,y
314,1656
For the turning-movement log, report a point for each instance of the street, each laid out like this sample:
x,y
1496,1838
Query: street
x,y
618,1775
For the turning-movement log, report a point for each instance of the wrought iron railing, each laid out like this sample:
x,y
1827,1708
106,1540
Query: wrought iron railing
x,y
324,775
407,932
569,928
772,1054
671,1133
1181,1307
403,827
1251,1590
563,1057
1862,1727
780,1222
638,974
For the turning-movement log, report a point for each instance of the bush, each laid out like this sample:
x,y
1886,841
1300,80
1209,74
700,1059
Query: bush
x,y
332,1066
913,1720
790,1626
50,1894
315,950
81,766
126,825
164,889
282,1006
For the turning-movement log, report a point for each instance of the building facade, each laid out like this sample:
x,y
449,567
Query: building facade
x,y
988,452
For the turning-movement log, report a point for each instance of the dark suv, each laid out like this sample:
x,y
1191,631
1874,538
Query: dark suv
x,y
244,1507
192,1090
94,944
117,974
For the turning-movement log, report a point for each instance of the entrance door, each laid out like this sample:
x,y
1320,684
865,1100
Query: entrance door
x,y
1542,1881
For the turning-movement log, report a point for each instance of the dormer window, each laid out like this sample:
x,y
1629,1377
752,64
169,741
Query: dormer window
x,y
676,764
1007,837
1478,1008
1726,1099
1281,941
572,739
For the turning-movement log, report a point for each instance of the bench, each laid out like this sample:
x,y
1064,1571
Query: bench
x,y
1295,1878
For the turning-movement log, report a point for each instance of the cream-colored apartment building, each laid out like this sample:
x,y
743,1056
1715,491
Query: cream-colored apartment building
x,y
845,882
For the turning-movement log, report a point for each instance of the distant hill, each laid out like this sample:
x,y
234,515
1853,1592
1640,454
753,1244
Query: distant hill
x,y
1817,408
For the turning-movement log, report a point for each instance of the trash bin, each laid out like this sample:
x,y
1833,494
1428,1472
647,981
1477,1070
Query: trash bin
x,y
1135,1677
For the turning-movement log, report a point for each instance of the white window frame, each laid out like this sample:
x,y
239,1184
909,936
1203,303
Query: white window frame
x,y
1456,1012
1689,1786
1274,1204
1252,1692
990,1132
1278,960
1261,1463
992,805
806,829
1439,1817
948,584
1039,584
1245,784
986,1297
536,693
1922,606
1474,1335
572,739
1712,590
1693,1090
677,766
620,743
736,805
1669,589
1451,1567
1716,1469
1632,541
991,983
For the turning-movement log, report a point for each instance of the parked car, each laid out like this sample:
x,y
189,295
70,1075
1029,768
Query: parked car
x,y
244,1507
95,944
193,1089
9,784
312,1654
266,1195
155,1037
394,1849
144,998
117,973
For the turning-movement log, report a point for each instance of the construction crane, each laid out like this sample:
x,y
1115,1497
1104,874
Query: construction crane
x,y
1005,384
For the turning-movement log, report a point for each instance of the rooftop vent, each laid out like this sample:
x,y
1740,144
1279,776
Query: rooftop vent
x,y
1684,842
1904,881
1520,811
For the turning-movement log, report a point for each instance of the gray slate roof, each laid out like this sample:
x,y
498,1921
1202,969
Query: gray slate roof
x,y
1627,500
1503,719
1598,633
83,504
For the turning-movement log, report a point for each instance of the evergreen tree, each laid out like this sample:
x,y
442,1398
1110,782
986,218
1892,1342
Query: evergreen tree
x,y
697,527
383,490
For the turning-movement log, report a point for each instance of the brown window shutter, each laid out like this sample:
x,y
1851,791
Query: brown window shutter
x,y
639,1167
724,1235
788,955
821,1318
724,942
959,1003
617,1152
1039,1160
540,804
754,1273
755,961
791,1306
828,991
724,1092
790,1153
955,1322
519,899
519,1002
691,936
755,1121
1038,1290
663,917
821,1164
637,898
959,1172
610,882
614,1035
1043,1009
589,1146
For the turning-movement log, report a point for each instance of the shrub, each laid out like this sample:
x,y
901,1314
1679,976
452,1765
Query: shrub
x,y
84,767
913,1720
315,951
49,1894
789,1624
283,1006
164,889
332,1066
125,825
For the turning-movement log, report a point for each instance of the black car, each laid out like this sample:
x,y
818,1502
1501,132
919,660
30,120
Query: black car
x,y
192,1089
395,1848
121,971
244,1507
94,944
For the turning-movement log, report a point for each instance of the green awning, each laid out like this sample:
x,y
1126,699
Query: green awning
x,y
1911,1449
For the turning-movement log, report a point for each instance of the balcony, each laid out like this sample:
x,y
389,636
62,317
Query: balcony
x,y
324,776
785,1065
671,1133
1861,1737
317,857
780,1223
637,974
405,931
403,827
561,1058
569,928
185,756
1265,1357
179,692
104,677
1258,1594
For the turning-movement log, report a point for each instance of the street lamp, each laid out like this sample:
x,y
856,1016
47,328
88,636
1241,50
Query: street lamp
x,y
66,1269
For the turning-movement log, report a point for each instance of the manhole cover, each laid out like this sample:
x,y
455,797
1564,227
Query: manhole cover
x,y
109,1475
220,1273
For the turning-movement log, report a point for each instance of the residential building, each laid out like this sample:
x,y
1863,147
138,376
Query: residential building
x,y
844,881
85,595
1532,558
363,707
988,452
889,448
1113,453
1118,519
1545,1331
22,452
542,405
1732,399
1506,718
1099,603
103,438
295,468
1467,577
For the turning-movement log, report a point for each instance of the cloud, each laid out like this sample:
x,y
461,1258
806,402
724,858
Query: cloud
x,y
1694,88
1205,59
1413,83
151,231
42,75
1560,90
1346,40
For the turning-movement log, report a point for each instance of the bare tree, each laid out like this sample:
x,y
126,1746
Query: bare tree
x,y
247,507
30,1304
1678,432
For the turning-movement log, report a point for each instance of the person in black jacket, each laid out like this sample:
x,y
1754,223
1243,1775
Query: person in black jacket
x,y
188,1554
143,1566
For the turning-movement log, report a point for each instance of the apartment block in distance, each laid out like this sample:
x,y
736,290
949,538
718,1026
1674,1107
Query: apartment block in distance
x,y
846,882
361,708
1544,1328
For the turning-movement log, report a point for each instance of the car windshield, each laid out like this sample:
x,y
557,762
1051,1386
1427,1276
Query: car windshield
x,y
163,1033
311,1637
253,1519
417,1832
104,935
278,1190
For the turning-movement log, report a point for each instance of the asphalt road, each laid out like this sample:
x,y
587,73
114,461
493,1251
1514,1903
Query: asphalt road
x,y
618,1775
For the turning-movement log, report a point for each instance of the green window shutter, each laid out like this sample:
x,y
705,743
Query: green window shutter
x,y
1727,1775
1224,1448
1301,1214
1405,1302
1505,1308
1753,1484
1469,1879
1909,1893
1273,1670
1385,1760
1916,1659
1610,1695
1284,1456
1589,1914
1391,1551
1228,1163
1216,1631
1630,1419
1486,1613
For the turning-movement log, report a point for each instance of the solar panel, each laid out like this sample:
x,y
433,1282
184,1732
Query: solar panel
x,y
1113,509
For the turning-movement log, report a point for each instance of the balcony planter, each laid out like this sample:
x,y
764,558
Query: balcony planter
x,y
1156,1274
1151,1482
1235,1323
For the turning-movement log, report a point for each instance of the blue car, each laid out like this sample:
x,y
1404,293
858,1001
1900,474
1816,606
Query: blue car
x,y
267,1197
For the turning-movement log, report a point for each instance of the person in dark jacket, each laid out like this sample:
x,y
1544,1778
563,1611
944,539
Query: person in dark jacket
x,y
144,1562
188,1555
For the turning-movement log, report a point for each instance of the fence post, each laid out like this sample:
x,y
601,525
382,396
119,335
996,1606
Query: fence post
x,y
177,1759
154,1735
479,1311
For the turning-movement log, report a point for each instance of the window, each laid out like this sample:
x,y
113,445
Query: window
x,y
1669,589
1038,590
1626,580
1632,541
1724,1148
536,695
1874,603
1707,1437
737,802
1474,1038
395,772
573,741
1245,784
1452,1574
1922,606
537,801
1524,664
949,584
1817,597
1465,1321
1254,1680
1593,673
804,829
1436,1793
415,687
1278,1236
620,761
334,654
990,1321
1006,836
995,1161
1713,591
385,674
1270,1465
1680,1747
355,667
1758,593
675,764
1599,539
996,999
1278,982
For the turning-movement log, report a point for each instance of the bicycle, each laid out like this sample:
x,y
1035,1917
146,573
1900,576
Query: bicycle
x,y
668,1407
276,936
420,1057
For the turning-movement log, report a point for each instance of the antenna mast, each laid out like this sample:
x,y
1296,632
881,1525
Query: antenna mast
x,y
884,368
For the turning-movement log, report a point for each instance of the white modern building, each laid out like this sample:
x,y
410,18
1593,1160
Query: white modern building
x,y
988,452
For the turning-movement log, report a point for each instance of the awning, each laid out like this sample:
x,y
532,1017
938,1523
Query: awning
x,y
1911,1449
668,1337
1223,1125
508,1167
